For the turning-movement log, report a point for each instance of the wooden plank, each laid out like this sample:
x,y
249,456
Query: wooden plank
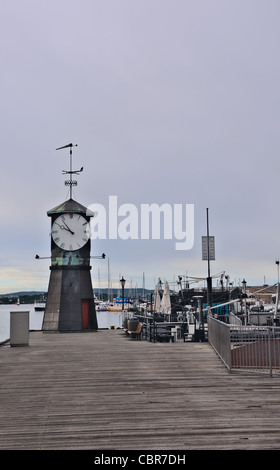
x,y
105,391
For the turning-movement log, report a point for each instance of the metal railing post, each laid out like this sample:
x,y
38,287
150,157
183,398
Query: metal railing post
x,y
269,351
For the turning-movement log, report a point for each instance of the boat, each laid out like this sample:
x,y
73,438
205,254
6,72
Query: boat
x,y
116,306
101,306
40,305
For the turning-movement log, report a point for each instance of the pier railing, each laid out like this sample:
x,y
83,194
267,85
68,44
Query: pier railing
x,y
249,348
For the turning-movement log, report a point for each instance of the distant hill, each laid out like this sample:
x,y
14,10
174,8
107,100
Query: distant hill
x,y
23,293
114,292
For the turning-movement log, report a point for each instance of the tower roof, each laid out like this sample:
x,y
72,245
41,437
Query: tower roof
x,y
70,206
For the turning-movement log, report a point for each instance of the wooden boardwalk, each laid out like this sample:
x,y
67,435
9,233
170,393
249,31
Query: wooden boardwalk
x,y
105,391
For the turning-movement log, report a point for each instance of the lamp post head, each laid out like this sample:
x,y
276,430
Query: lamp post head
x,y
244,284
122,281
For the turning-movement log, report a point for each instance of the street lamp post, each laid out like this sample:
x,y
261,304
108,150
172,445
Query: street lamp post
x,y
122,281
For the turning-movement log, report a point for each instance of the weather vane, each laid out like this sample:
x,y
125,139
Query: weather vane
x,y
71,172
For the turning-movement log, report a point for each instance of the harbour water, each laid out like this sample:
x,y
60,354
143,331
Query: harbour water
x,y
105,318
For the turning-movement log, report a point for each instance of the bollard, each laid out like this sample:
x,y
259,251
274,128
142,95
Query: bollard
x,y
174,334
19,328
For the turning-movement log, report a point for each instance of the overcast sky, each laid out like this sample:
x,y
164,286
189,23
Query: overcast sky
x,y
169,101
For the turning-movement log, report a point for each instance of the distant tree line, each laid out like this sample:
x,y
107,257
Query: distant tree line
x,y
24,299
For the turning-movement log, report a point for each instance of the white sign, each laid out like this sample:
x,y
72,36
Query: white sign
x,y
205,248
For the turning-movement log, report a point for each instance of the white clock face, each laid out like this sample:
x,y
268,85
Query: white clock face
x,y
70,231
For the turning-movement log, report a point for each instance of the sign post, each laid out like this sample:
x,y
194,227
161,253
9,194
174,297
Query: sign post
x,y
208,253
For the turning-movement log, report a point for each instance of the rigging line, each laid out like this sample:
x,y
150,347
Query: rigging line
x,y
265,288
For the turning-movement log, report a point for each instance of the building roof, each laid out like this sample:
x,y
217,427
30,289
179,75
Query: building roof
x,y
260,292
70,206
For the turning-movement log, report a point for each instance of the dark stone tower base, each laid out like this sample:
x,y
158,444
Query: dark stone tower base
x,y
70,303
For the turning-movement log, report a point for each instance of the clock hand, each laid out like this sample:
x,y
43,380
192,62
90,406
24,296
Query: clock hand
x,y
67,228
64,228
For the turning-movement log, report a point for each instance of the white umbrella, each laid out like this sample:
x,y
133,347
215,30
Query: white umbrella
x,y
165,301
157,300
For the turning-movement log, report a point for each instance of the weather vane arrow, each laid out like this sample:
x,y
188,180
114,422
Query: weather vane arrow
x,y
65,146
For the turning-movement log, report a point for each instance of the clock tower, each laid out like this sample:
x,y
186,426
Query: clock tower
x,y
70,302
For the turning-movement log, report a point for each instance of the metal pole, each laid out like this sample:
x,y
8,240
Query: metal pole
x,y
108,290
277,293
209,281
244,300
208,243
269,351
70,171
245,311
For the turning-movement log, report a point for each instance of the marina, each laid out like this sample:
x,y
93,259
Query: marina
x,y
105,391
140,272
191,366
188,368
